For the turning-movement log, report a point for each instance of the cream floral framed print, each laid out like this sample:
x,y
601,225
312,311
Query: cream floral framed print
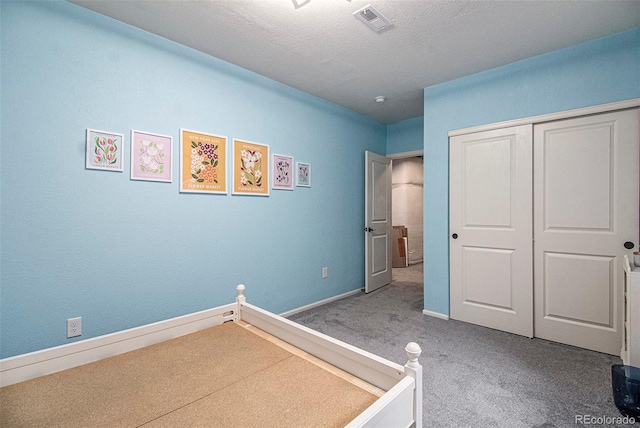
x,y
104,150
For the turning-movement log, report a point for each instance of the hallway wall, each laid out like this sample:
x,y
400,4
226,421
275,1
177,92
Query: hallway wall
x,y
407,208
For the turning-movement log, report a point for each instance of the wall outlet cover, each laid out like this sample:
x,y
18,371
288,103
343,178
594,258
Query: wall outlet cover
x,y
74,327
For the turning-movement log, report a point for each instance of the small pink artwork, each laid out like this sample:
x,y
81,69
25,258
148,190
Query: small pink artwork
x,y
150,156
282,172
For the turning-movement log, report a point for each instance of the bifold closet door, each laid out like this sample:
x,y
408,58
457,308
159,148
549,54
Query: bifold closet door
x,y
491,234
585,210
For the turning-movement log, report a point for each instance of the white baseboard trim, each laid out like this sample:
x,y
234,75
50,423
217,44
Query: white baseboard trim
x,y
319,303
35,364
436,314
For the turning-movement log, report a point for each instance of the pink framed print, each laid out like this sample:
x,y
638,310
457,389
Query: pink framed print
x,y
282,173
104,150
150,156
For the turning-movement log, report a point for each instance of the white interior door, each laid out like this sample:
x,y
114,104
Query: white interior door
x,y
586,208
377,221
490,226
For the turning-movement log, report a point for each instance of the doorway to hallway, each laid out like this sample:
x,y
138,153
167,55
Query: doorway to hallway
x,y
407,210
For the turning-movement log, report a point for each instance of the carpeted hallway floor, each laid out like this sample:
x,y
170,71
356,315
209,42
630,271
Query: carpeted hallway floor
x,y
473,376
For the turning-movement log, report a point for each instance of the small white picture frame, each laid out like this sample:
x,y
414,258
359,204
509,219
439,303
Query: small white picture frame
x,y
105,150
303,174
151,156
282,174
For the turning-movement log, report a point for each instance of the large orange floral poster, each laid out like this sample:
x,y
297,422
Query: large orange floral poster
x,y
203,162
250,168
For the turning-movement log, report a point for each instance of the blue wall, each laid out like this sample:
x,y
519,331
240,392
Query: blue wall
x,y
124,253
405,136
597,72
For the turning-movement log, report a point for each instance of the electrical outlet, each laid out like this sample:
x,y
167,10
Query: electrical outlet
x,y
74,327
325,272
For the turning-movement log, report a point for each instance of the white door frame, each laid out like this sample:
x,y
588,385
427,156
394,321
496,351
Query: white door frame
x,y
404,155
408,155
401,155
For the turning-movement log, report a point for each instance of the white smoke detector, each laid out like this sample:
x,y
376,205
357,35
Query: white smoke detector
x,y
372,18
380,98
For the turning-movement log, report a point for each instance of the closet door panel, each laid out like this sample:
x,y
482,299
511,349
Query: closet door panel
x,y
578,172
490,227
585,209
594,304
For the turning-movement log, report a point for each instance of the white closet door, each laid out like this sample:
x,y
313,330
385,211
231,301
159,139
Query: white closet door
x,y
586,208
490,226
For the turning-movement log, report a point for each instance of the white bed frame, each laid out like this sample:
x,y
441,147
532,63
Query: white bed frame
x,y
399,406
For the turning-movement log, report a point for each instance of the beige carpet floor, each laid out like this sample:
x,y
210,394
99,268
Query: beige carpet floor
x,y
225,376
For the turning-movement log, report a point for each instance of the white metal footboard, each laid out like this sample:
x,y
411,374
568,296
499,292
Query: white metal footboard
x,y
400,406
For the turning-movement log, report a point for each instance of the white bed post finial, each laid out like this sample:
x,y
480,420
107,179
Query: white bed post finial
x,y
413,352
241,298
414,369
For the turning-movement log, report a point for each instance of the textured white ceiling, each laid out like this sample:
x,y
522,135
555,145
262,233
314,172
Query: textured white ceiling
x,y
322,49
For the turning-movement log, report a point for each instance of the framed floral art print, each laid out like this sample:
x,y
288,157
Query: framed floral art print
x,y
303,174
150,156
282,172
203,162
104,150
250,168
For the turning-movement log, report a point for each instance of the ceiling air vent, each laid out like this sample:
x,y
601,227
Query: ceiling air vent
x,y
372,18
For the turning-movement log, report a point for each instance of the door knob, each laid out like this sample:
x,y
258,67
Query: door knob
x,y
368,229
454,236
629,245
